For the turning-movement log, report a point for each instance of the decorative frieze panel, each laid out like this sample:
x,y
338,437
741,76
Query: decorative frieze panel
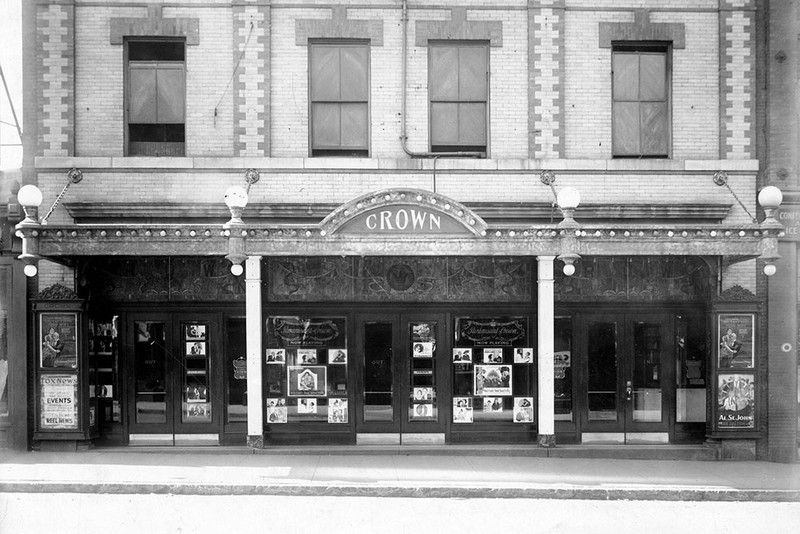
x,y
637,279
160,280
399,279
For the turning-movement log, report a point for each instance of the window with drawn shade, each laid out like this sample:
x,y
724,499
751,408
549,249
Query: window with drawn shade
x,y
641,107
458,86
339,95
156,96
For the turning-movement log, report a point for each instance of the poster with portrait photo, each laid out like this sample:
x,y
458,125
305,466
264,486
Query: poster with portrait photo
x,y
307,406
196,394
493,380
307,356
523,409
195,332
58,340
277,413
736,340
462,410
523,355
422,411
736,401
197,412
276,356
462,355
196,348
337,356
307,381
337,411
493,355
423,394
423,349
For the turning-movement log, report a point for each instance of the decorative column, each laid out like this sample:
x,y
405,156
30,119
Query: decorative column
x,y
255,402
546,334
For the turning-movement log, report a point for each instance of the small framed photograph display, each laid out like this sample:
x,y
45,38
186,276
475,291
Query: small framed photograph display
x,y
523,355
523,409
196,394
422,411
462,355
462,410
423,394
196,348
195,332
197,412
307,356
277,413
337,356
493,355
276,356
736,345
307,406
58,342
493,405
337,411
423,349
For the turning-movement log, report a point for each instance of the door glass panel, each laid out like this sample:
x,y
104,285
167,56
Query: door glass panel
x,y
602,380
150,372
690,372
196,402
236,362
378,373
423,405
562,368
647,372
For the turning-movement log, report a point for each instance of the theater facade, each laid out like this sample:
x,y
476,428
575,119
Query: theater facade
x,y
534,223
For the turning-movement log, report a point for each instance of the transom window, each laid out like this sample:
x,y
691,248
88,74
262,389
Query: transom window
x,y
339,88
641,107
459,96
156,98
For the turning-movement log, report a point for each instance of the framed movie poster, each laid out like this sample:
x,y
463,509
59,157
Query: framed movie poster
x,y
58,401
337,411
736,342
307,381
736,401
58,342
462,410
493,380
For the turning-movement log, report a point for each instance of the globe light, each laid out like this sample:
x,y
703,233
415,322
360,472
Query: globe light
x,y
236,197
237,269
569,269
770,269
29,196
30,270
770,197
568,198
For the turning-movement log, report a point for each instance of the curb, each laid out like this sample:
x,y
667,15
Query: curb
x,y
440,492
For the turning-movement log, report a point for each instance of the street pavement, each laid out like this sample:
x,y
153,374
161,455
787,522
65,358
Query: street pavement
x,y
395,491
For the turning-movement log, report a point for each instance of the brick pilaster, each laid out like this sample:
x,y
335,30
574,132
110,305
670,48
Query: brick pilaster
x,y
546,78
251,117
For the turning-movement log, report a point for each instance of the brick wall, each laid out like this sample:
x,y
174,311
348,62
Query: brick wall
x,y
55,68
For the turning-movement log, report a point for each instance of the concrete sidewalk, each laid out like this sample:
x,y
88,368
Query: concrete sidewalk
x,y
237,471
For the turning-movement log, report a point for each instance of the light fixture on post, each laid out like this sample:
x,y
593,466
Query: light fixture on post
x,y
30,198
568,200
236,200
770,199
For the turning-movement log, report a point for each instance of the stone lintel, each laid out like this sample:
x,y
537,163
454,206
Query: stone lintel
x,y
458,28
642,30
154,25
338,27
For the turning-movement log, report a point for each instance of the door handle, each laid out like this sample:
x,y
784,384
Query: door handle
x,y
628,390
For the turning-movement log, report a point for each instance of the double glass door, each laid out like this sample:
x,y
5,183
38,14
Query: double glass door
x,y
626,359
402,369
171,370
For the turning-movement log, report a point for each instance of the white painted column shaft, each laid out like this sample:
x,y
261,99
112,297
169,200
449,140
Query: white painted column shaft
x,y
546,334
255,415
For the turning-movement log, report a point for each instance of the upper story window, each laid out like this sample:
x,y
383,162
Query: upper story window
x,y
641,101
156,98
459,96
339,99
